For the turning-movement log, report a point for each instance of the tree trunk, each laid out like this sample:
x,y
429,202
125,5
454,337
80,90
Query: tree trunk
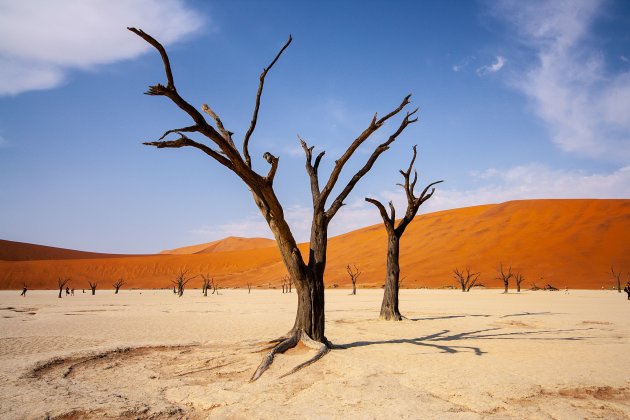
x,y
93,290
116,292
60,290
354,286
389,307
505,285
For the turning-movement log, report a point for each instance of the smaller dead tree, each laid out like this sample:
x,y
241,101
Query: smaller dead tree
x,y
117,285
24,290
289,283
207,284
616,277
93,287
284,284
215,287
466,280
181,281
354,275
249,287
61,282
518,279
505,277
551,288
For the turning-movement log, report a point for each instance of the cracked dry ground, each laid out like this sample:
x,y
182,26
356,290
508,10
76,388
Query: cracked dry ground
x,y
460,362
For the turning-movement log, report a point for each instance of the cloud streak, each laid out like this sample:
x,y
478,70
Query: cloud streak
x,y
41,41
495,67
586,107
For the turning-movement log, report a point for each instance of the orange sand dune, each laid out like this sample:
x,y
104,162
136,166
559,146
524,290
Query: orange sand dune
x,y
21,251
563,242
231,243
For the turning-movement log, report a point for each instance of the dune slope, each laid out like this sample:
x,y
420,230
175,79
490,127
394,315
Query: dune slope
x,y
562,242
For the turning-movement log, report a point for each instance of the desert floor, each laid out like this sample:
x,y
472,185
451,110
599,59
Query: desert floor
x,y
149,354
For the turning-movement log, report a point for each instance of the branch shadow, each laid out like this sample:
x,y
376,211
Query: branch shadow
x,y
434,318
439,339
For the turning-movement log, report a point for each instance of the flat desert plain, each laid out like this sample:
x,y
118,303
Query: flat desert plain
x,y
150,354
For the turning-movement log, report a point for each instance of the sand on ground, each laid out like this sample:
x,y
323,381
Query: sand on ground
x,y
150,354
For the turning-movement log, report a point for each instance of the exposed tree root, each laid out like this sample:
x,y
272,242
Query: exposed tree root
x,y
289,343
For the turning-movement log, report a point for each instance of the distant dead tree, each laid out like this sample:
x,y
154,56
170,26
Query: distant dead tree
x,y
551,288
354,275
24,290
518,279
61,282
117,285
308,276
181,281
466,281
93,287
289,283
505,277
207,284
616,277
215,287
249,287
284,284
534,287
389,305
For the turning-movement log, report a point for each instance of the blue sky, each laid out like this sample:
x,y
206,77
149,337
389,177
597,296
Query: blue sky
x,y
517,100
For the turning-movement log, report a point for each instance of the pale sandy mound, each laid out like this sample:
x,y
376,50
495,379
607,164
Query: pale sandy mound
x,y
566,243
477,355
231,243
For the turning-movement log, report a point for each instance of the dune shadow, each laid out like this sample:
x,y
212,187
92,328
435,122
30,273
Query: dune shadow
x,y
440,339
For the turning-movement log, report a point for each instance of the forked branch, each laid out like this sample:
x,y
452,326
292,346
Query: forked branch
x,y
261,84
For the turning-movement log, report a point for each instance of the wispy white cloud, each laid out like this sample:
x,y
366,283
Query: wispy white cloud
x,y
624,59
494,67
40,40
586,107
3,141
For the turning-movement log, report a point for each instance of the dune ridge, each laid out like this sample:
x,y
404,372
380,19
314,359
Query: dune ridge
x,y
570,243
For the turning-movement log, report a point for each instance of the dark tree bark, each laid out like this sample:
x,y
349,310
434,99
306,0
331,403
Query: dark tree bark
x,y
518,279
207,282
616,277
181,281
93,287
117,285
308,277
468,280
61,282
354,275
389,306
505,277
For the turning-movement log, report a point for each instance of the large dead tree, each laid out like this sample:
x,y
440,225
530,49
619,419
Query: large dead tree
x,y
466,280
505,277
117,285
389,306
307,276
61,282
354,275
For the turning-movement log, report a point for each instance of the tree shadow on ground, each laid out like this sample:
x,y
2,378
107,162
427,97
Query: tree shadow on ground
x,y
435,318
440,339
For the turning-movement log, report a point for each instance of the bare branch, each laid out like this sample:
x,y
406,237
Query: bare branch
x,y
338,202
191,129
311,169
273,161
167,65
227,135
252,125
374,125
389,223
186,141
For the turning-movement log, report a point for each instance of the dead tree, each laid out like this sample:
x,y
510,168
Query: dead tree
x,y
181,281
518,279
389,306
466,281
617,277
215,287
308,276
505,277
354,275
61,282
289,284
93,287
207,283
551,288
284,284
117,285
249,287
